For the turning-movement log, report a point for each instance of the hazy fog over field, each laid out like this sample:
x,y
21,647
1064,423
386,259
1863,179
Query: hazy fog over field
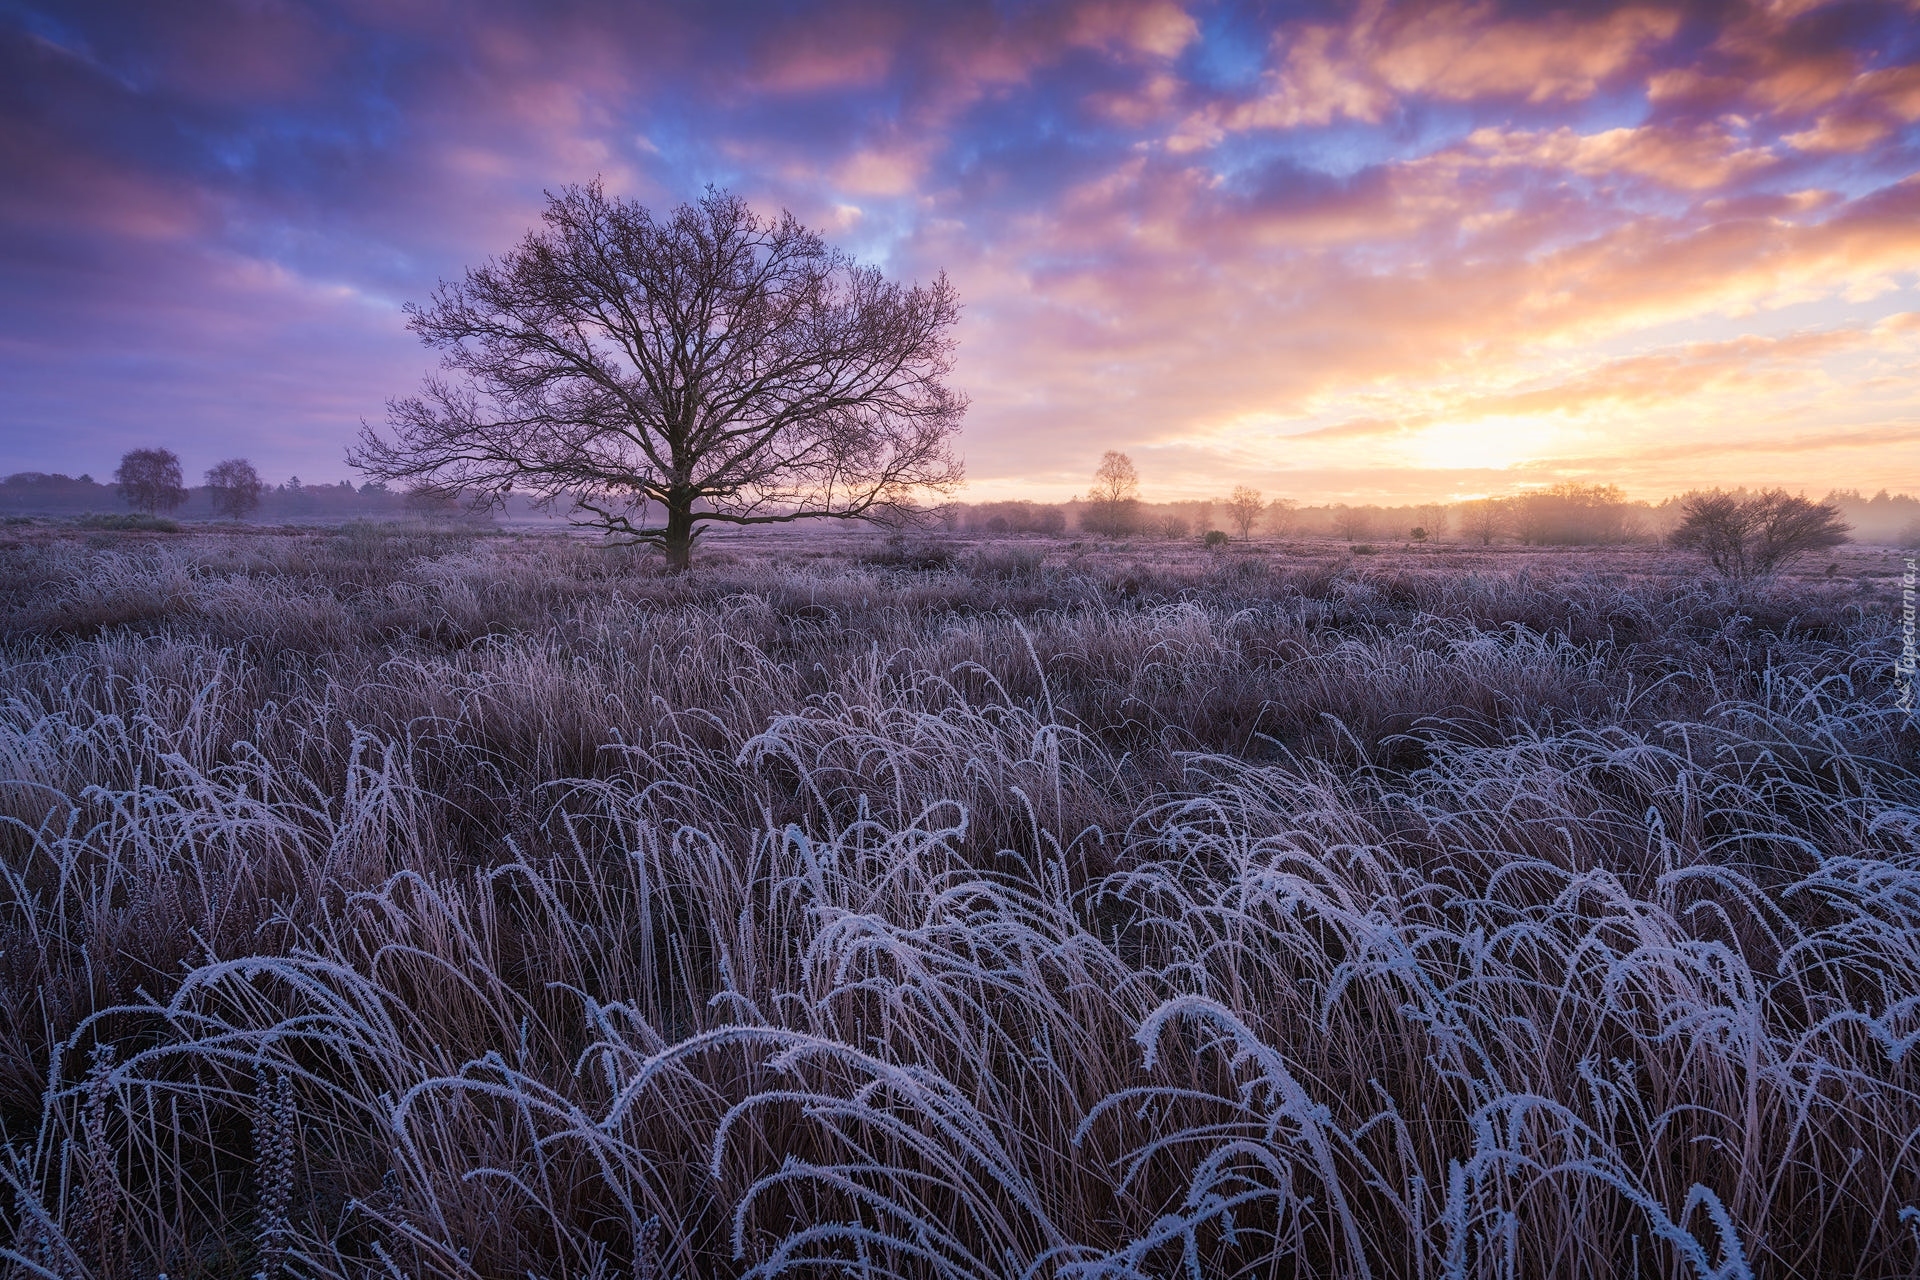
x,y
1349,253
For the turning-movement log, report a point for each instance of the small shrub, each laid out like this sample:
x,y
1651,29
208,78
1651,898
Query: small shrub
x,y
1365,549
1215,538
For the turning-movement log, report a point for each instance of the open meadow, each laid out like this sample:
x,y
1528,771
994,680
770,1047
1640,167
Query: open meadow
x,y
412,902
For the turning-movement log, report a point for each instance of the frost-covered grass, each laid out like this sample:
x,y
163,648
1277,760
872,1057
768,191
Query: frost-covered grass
x,y
408,904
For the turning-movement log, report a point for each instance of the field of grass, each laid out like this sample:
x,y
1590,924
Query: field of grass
x,y
387,902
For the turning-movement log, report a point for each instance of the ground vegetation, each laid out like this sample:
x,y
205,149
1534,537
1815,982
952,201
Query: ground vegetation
x,y
402,901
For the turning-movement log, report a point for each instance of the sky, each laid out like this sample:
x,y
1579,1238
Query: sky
x,y
1361,252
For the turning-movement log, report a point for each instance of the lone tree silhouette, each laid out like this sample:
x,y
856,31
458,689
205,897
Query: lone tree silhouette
x,y
1244,509
657,375
1755,536
234,487
1113,502
149,480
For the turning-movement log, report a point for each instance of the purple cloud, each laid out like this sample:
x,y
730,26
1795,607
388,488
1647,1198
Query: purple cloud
x,y
1214,235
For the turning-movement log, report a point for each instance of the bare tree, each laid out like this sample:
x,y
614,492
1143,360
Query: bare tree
x,y
1243,510
1530,517
658,375
1433,517
150,481
1483,519
235,488
1755,536
1283,516
1113,502
1352,522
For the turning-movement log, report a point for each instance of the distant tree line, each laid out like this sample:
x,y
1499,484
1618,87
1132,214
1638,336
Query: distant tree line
x,y
1889,518
1006,518
1564,514
227,492
150,480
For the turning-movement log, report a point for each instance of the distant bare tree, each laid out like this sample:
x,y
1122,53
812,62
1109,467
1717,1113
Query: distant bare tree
x,y
1433,517
1115,479
150,480
1352,522
235,488
1754,536
1283,516
1244,509
1530,516
1113,502
658,375
1483,519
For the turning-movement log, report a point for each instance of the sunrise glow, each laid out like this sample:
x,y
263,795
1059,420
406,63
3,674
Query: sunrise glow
x,y
1345,252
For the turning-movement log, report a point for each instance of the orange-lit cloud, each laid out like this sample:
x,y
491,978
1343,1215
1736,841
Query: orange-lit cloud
x,y
1362,69
1157,27
1384,250
1701,157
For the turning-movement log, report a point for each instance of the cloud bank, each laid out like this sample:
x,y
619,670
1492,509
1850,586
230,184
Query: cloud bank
x,y
1356,252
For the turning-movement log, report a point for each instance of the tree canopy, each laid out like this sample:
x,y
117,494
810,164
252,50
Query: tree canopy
x,y
1244,509
1755,535
1113,502
234,488
150,480
654,376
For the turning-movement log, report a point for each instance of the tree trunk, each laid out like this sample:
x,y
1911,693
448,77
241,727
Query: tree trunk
x,y
679,541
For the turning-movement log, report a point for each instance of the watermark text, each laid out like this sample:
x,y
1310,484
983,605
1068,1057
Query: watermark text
x,y
1904,669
